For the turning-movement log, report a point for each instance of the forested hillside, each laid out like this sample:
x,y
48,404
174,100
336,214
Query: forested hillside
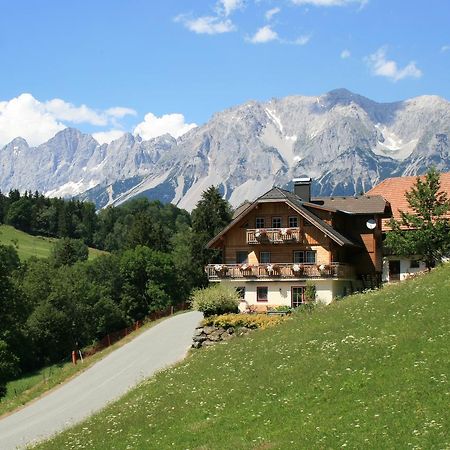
x,y
50,306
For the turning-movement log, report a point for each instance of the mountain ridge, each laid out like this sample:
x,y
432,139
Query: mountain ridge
x,y
345,141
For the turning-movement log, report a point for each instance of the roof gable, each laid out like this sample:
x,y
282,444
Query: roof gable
x,y
280,195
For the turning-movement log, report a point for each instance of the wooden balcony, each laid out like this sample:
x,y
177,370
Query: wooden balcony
x,y
274,235
279,271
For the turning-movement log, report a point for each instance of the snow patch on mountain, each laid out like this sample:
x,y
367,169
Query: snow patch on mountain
x,y
392,145
346,142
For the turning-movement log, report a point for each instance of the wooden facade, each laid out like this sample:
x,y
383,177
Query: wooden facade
x,y
306,237
279,233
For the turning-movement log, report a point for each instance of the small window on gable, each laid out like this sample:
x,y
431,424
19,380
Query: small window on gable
x,y
260,222
276,222
310,256
299,257
264,257
262,294
414,264
241,257
293,222
305,257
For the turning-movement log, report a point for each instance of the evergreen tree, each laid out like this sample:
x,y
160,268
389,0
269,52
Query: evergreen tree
x,y
68,251
425,231
211,215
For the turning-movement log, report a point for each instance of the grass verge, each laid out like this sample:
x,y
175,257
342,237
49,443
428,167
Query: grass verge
x,y
370,371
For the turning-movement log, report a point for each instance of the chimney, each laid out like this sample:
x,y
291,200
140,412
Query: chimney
x,y
302,188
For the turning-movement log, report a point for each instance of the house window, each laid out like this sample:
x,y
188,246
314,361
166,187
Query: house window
x,y
261,293
414,264
293,222
310,256
241,292
260,222
264,257
276,222
297,296
241,257
305,257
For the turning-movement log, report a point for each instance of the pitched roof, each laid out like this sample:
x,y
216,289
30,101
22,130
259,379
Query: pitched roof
x,y
241,208
394,190
361,204
290,198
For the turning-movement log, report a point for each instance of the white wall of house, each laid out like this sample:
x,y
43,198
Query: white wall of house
x,y
279,292
405,267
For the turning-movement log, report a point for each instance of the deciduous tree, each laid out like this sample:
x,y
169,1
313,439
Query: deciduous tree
x,y
425,231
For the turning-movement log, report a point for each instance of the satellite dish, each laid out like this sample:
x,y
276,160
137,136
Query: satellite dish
x,y
371,224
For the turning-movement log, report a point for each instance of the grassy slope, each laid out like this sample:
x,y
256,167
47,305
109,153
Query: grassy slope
x,y
370,371
28,245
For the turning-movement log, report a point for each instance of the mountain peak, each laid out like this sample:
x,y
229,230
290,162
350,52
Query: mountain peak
x,y
345,141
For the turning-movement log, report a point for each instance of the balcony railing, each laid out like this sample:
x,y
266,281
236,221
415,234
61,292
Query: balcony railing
x,y
273,235
279,270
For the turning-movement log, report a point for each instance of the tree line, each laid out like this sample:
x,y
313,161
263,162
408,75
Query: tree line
x,y
156,256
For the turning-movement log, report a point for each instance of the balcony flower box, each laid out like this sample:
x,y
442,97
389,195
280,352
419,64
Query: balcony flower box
x,y
220,269
246,269
286,232
323,269
298,269
261,234
273,269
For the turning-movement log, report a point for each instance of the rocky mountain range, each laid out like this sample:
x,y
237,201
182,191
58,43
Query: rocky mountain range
x,y
345,142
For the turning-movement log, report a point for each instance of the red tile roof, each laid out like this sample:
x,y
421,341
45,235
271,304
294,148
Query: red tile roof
x,y
394,189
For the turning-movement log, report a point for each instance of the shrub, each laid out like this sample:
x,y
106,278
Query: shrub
x,y
242,320
310,292
216,299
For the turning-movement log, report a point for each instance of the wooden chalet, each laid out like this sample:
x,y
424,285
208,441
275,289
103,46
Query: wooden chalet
x,y
281,240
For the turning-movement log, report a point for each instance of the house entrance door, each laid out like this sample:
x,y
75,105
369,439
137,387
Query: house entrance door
x,y
297,296
394,270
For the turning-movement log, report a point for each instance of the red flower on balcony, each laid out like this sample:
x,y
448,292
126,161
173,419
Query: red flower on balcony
x,y
260,233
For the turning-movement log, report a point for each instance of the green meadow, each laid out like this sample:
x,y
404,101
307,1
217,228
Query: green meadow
x,y
28,245
369,371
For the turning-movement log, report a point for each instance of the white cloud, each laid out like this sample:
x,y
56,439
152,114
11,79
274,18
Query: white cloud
x,y
329,2
383,67
26,117
267,34
263,35
206,24
153,126
345,54
271,12
229,6
76,114
445,48
106,137
118,112
37,121
301,40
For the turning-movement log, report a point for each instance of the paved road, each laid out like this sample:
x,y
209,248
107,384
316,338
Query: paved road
x,y
156,348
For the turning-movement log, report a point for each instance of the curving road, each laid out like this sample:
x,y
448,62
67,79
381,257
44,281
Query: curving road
x,y
153,350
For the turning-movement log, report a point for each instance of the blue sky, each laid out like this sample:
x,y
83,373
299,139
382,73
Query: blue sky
x,y
125,59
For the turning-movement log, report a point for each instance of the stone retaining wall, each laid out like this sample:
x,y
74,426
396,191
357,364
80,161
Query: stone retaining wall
x,y
210,335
